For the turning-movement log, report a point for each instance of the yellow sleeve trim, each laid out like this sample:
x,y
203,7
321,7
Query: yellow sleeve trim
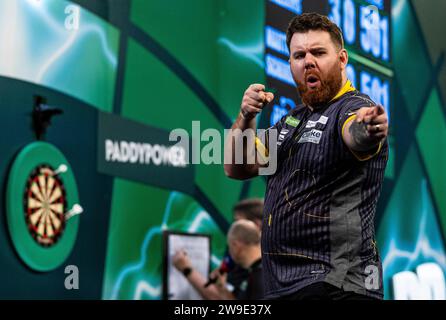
x,y
349,119
261,149
359,156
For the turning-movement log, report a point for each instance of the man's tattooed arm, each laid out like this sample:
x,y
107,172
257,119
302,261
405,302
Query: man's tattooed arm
x,y
362,141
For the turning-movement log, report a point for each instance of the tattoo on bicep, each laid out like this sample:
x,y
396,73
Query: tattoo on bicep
x,y
358,131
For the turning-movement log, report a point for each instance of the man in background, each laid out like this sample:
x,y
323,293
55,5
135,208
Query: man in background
x,y
249,209
244,247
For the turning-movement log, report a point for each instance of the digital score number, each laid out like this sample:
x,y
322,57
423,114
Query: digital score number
x,y
363,24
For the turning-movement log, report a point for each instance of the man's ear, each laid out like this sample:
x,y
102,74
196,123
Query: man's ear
x,y
258,223
237,245
343,57
232,243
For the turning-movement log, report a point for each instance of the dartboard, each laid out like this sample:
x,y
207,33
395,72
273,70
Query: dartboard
x,y
44,205
39,196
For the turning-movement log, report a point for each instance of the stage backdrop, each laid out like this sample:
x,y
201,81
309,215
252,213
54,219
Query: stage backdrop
x,y
126,73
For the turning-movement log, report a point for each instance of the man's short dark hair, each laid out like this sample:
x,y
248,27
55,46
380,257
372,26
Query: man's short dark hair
x,y
314,21
251,209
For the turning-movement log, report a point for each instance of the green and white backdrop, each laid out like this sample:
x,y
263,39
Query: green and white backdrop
x,y
132,71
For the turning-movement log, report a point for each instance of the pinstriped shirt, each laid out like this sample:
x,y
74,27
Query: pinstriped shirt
x,y
320,204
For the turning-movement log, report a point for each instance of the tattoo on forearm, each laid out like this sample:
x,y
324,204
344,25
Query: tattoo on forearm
x,y
362,139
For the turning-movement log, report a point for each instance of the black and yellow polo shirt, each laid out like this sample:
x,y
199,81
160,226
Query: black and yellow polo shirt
x,y
320,204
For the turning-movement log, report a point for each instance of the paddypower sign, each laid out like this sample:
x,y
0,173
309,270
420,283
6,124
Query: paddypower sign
x,y
138,152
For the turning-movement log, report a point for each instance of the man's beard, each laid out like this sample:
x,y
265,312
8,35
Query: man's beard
x,y
326,91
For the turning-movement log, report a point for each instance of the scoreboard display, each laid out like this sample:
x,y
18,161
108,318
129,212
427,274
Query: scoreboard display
x,y
367,37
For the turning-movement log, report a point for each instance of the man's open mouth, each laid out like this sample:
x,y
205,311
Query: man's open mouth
x,y
312,81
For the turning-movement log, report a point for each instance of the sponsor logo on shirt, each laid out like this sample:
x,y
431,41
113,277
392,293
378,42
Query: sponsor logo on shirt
x,y
313,136
282,135
312,124
292,121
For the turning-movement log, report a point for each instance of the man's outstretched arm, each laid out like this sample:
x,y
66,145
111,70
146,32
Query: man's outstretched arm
x,y
365,130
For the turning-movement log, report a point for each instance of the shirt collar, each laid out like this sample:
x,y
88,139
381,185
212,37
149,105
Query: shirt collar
x,y
348,87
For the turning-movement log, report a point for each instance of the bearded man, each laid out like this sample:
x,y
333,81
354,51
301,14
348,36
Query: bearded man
x,y
318,235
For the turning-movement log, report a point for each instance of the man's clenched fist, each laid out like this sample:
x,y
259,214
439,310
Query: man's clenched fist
x,y
254,100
